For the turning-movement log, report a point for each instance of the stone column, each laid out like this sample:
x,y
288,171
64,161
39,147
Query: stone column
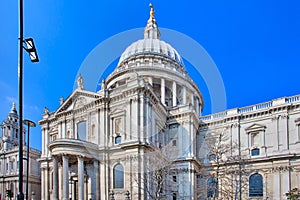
x,y
97,181
192,98
60,181
197,105
46,175
174,91
42,184
276,185
162,91
55,178
43,142
46,142
80,178
65,159
183,95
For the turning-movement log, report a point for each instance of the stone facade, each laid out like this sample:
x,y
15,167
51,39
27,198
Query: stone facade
x,y
9,160
260,140
142,136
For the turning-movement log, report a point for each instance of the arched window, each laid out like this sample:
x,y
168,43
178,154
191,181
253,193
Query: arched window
x,y
81,130
118,176
256,185
118,139
212,187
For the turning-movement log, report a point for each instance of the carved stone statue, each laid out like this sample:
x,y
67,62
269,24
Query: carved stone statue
x,y
80,84
46,110
103,84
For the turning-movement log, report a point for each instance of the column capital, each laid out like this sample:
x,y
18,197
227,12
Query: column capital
x,y
80,157
64,155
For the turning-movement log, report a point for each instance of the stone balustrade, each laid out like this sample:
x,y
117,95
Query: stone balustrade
x,y
244,110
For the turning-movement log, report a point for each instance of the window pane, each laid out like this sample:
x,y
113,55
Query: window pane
x,y
118,140
118,176
256,185
254,152
81,130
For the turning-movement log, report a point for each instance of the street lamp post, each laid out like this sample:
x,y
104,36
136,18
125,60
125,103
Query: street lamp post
x,y
20,77
29,124
30,48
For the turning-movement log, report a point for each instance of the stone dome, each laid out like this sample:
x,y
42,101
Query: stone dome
x,y
151,46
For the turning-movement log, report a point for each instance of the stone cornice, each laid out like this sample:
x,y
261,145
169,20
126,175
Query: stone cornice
x,y
267,110
249,161
182,112
155,68
74,147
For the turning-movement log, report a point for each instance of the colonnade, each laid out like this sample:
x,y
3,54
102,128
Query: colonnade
x,y
194,100
81,173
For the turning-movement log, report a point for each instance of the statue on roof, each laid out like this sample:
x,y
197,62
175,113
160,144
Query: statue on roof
x,y
151,11
103,84
80,84
46,111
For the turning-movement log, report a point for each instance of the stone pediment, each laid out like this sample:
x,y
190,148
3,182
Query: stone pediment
x,y
255,127
77,99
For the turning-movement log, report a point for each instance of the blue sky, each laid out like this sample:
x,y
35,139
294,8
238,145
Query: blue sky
x,y
254,43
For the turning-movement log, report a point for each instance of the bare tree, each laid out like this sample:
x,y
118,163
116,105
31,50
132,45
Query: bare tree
x,y
156,180
224,174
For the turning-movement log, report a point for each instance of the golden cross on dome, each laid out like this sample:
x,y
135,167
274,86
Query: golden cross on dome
x,y
151,11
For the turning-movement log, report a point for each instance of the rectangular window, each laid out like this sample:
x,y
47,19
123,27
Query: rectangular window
x,y
255,152
118,139
174,178
174,196
81,130
174,143
173,134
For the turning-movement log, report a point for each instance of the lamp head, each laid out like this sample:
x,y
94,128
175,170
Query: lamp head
x,y
30,48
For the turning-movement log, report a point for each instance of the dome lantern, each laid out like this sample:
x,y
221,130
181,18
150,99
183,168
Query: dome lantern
x,y
151,30
151,44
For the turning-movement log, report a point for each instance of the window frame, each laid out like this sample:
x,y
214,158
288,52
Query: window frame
x,y
82,136
118,139
254,152
118,176
256,190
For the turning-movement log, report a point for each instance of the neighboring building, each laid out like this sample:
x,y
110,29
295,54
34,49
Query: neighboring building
x,y
9,159
142,136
